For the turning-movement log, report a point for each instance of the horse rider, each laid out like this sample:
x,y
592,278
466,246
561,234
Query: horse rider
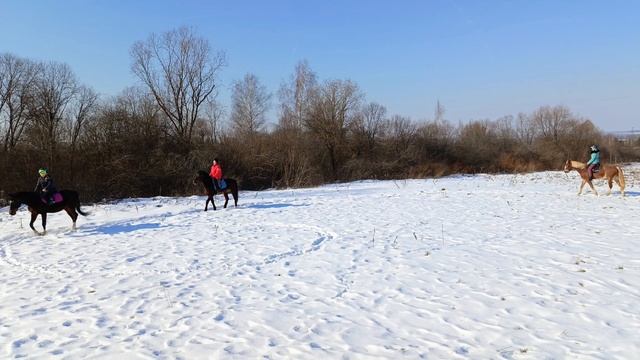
x,y
216,175
45,186
594,162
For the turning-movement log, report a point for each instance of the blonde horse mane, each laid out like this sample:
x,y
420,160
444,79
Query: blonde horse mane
x,y
578,165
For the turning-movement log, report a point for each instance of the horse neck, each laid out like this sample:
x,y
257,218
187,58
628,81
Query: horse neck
x,y
206,181
28,198
578,165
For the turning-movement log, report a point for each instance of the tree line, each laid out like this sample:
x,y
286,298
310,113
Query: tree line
x,y
151,138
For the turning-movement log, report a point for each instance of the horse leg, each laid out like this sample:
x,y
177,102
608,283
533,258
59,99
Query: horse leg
x,y
226,199
34,216
44,223
234,192
610,182
74,216
620,186
206,204
213,203
593,188
582,186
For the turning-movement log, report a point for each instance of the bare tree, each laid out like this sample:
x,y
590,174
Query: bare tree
x,y
368,125
551,121
525,130
294,153
295,96
141,105
214,112
401,132
331,113
83,106
180,70
250,102
17,78
55,88
504,131
4,79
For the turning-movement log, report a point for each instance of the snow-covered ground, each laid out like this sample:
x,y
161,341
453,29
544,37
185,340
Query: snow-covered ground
x,y
478,267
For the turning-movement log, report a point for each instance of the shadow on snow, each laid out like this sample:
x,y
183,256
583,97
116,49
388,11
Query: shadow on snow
x,y
274,206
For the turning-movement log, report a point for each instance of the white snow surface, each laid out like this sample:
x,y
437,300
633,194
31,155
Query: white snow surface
x,y
462,267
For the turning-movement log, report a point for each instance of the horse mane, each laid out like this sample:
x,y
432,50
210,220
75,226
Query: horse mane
x,y
578,164
206,179
22,195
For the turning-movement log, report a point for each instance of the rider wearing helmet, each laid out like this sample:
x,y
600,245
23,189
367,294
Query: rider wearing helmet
x,y
594,162
45,186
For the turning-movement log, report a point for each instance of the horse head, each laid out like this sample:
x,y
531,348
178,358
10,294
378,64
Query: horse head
x,y
204,178
200,176
14,203
567,166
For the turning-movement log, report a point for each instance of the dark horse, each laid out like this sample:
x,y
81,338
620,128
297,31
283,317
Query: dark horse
x,y
70,203
205,180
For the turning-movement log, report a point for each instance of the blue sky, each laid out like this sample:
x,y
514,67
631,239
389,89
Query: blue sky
x,y
481,59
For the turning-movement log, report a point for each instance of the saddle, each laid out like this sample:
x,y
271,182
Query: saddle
x,y
53,199
596,168
222,184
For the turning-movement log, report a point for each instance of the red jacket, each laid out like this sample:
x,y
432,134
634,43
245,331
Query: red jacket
x,y
216,172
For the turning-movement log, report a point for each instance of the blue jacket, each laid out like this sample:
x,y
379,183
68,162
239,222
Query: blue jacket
x,y
595,158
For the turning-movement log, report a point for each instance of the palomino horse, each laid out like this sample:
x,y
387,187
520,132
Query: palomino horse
x,y
205,180
70,203
609,172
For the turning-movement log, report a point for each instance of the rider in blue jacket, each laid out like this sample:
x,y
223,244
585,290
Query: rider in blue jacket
x,y
594,162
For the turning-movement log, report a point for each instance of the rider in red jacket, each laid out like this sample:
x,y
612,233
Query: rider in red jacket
x,y
216,174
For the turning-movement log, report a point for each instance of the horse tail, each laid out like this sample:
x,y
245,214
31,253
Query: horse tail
x,y
80,211
621,179
76,201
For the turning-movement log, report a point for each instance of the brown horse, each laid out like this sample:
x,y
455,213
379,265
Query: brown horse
x,y
70,203
609,172
205,180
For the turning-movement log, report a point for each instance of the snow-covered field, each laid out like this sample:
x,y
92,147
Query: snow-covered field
x,y
477,267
